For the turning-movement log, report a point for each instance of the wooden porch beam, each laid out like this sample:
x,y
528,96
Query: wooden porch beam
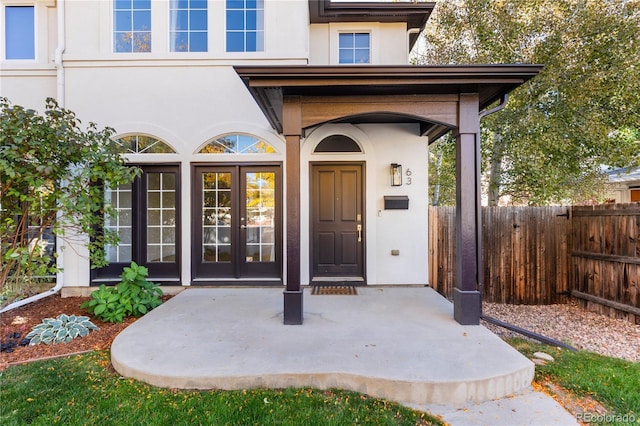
x,y
467,301
292,130
422,107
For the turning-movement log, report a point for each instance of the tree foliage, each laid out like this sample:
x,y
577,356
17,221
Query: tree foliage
x,y
580,114
51,177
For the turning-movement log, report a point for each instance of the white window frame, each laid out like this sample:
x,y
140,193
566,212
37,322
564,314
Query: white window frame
x,y
113,30
337,28
36,42
355,32
209,31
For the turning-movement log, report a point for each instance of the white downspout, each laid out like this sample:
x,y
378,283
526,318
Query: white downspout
x,y
58,54
61,101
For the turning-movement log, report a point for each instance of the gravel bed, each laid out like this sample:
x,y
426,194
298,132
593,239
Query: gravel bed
x,y
570,324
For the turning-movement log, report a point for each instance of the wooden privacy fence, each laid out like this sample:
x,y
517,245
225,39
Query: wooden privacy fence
x,y
525,257
540,255
605,258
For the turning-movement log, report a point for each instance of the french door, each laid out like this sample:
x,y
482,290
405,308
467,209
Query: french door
x,y
237,224
146,221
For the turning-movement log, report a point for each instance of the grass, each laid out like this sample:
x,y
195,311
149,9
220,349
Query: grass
x,y
84,390
613,382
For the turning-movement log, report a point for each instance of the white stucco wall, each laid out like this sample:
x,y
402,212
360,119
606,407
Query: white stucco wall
x,y
187,99
89,33
29,82
185,107
389,42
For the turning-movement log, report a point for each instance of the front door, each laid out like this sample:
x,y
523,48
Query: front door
x,y
237,228
337,222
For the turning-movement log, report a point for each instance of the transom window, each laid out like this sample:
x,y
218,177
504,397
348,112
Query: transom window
x,y
188,25
132,26
237,144
337,143
354,48
19,32
245,25
142,144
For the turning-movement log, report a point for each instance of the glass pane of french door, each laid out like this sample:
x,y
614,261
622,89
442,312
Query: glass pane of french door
x,y
260,211
216,217
121,199
161,217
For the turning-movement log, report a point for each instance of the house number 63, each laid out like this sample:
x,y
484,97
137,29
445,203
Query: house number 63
x,y
408,173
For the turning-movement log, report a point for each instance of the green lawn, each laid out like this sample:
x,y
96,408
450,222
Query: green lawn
x,y
613,382
84,390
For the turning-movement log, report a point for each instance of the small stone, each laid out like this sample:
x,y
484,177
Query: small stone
x,y
544,356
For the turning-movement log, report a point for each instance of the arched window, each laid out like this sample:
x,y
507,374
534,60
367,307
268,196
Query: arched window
x,y
337,143
238,144
142,144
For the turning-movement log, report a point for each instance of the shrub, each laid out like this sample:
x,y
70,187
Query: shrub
x,y
133,296
50,165
63,329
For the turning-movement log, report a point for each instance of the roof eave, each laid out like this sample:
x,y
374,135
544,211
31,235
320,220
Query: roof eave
x,y
414,15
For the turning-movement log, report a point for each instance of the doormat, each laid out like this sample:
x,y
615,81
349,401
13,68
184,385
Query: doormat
x,y
345,290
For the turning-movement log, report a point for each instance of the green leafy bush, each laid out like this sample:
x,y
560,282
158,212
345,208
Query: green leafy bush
x,y
133,296
63,329
105,304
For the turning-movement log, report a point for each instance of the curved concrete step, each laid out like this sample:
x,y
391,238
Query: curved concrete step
x,y
399,343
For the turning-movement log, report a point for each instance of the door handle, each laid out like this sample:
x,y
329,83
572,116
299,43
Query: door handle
x,y
243,226
359,229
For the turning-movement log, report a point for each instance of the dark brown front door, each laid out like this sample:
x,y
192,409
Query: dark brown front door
x,y
337,222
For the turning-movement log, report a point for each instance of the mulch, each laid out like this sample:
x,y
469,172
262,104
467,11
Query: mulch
x,y
17,323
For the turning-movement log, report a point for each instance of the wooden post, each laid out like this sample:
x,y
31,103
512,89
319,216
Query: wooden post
x,y
292,130
467,299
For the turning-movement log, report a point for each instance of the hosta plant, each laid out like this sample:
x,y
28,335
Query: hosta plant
x,y
62,329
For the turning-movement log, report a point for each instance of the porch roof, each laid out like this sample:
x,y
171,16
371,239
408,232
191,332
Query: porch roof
x,y
269,85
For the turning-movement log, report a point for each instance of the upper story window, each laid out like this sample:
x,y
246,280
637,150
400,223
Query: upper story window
x,y
19,32
132,26
245,25
188,25
354,48
237,144
142,144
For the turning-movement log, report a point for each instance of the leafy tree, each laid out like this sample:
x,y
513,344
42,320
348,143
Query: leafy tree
x,y
581,113
442,172
51,177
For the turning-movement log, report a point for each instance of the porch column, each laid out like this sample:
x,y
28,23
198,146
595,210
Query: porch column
x,y
292,130
467,299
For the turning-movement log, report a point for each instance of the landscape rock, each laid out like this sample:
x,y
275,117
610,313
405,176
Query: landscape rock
x,y
543,356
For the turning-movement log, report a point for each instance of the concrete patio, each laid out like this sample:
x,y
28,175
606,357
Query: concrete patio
x,y
396,343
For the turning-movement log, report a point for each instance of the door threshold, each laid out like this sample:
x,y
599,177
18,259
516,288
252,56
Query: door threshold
x,y
337,280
